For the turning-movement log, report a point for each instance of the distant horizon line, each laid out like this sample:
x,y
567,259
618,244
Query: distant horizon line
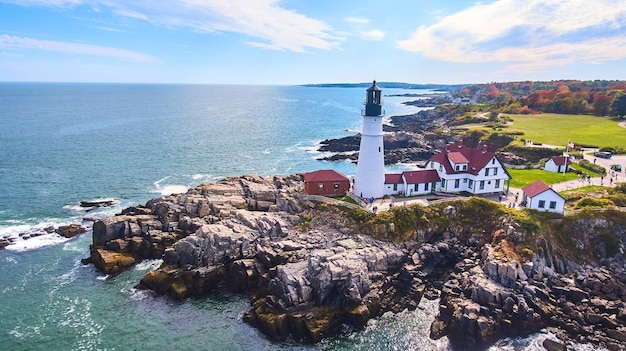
x,y
242,84
342,84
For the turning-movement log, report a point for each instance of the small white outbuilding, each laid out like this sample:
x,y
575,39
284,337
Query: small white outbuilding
x,y
558,164
541,197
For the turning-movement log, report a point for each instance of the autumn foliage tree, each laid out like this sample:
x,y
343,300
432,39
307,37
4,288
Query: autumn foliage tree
x,y
601,104
563,96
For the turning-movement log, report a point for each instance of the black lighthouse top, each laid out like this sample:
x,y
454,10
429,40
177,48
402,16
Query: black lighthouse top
x,y
373,101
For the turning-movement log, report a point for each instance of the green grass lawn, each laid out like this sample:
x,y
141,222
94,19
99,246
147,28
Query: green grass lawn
x,y
522,177
575,194
557,129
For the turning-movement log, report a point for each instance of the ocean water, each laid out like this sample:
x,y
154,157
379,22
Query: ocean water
x,y
61,144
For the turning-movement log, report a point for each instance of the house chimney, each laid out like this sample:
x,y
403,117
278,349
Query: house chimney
x,y
484,148
460,143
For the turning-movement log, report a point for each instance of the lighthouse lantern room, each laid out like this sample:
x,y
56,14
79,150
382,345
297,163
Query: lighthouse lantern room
x,y
370,170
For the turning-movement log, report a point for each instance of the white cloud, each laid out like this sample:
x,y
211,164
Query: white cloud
x,y
531,34
13,42
374,35
264,21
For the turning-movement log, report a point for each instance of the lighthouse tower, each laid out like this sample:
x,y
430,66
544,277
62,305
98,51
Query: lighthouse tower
x,y
370,170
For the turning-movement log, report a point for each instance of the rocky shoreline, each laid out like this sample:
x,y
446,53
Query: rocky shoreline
x,y
312,270
407,139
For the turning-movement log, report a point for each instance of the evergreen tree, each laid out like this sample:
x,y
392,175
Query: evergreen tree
x,y
618,106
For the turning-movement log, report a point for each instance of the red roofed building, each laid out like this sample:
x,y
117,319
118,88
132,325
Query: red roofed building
x,y
326,182
410,183
541,197
394,184
475,170
558,164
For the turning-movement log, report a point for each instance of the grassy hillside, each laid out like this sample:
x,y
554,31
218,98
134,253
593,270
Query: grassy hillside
x,y
557,129
523,177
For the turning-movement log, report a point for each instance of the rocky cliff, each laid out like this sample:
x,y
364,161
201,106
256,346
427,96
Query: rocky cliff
x,y
312,269
308,271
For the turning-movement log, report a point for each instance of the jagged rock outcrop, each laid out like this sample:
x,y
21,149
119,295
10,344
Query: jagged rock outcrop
x,y
247,234
486,299
70,230
310,271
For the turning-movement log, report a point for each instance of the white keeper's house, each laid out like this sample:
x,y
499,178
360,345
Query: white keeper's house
x,y
474,170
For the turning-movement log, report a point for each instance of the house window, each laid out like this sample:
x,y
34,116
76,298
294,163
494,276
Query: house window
x,y
441,167
416,187
553,205
493,161
443,183
425,186
336,185
542,204
464,167
456,168
481,185
486,171
395,187
495,171
471,183
456,183
497,183
320,186
464,180
379,149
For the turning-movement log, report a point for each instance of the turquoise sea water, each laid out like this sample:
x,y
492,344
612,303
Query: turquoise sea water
x,y
65,143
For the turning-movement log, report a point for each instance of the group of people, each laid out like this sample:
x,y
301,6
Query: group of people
x,y
584,177
510,204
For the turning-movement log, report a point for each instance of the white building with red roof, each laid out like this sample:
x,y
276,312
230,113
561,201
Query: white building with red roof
x,y
558,164
474,170
541,197
411,183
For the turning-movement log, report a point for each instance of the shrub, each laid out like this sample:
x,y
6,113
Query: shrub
x,y
594,202
527,221
532,154
527,252
305,222
592,166
620,188
618,199
616,150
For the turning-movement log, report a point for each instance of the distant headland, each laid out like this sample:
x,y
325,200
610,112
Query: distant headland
x,y
390,85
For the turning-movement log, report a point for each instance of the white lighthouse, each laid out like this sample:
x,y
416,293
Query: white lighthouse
x,y
370,169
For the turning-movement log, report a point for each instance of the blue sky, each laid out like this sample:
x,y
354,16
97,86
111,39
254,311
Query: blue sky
x,y
323,41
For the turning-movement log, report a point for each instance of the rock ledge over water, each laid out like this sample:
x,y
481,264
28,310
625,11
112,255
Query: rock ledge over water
x,y
311,270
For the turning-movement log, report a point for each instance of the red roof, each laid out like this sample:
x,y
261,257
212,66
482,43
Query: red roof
x,y
477,159
393,178
560,160
421,176
457,157
536,188
327,175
